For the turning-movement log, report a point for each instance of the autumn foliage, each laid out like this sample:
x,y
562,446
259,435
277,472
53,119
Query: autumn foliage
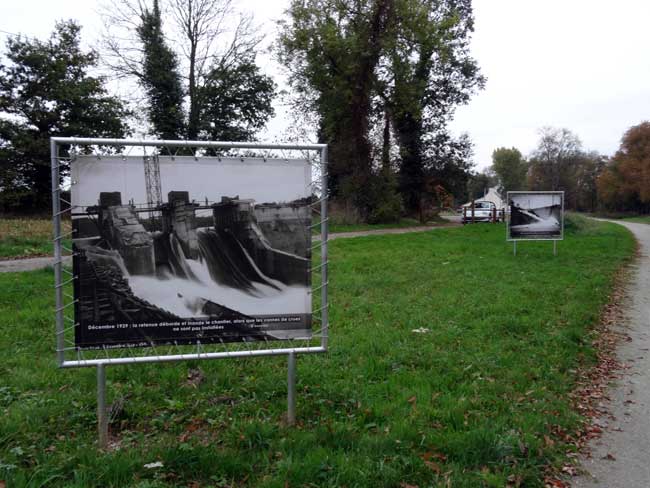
x,y
625,183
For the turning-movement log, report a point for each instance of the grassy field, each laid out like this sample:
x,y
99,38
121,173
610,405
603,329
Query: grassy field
x,y
451,362
21,238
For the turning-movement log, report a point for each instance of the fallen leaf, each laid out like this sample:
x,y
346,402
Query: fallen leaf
x,y
195,377
570,470
435,467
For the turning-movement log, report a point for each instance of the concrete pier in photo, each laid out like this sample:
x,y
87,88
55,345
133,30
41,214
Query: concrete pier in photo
x,y
121,227
237,218
179,218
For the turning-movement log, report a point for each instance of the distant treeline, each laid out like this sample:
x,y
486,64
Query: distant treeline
x,y
591,181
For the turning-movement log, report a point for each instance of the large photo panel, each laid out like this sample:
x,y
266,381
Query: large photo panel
x,y
184,250
536,215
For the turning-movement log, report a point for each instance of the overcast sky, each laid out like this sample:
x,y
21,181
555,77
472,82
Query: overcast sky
x,y
579,64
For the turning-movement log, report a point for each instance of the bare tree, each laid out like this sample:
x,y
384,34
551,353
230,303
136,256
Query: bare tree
x,y
208,34
554,159
122,51
202,26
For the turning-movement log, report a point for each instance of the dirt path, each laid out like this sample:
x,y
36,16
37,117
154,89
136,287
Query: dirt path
x,y
378,232
621,457
27,264
31,264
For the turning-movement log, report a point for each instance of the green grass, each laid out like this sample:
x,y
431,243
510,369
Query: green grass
x,y
470,401
23,238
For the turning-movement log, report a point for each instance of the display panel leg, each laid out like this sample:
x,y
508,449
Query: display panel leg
x,y
291,389
554,248
514,248
102,414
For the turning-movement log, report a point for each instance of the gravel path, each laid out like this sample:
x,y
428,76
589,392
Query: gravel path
x,y
378,232
31,264
621,457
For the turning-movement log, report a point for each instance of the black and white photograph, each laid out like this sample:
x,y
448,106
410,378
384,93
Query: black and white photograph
x,y
535,215
184,249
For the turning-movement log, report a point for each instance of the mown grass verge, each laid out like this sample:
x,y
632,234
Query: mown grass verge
x,y
23,238
467,400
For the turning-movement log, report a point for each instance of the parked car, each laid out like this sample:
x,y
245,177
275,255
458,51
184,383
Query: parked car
x,y
483,212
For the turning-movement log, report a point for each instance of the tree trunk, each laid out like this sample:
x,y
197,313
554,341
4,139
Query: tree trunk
x,y
409,133
360,149
193,119
385,149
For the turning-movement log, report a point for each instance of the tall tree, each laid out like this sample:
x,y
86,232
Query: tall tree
x,y
160,78
45,91
429,72
614,193
331,50
211,42
404,59
511,170
588,170
633,160
201,25
449,162
479,184
553,162
560,163
236,101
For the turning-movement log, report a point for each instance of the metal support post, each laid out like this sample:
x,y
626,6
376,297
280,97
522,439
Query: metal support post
x,y
291,389
102,414
56,224
554,248
514,249
323,249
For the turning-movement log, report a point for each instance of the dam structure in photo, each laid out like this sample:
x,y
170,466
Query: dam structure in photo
x,y
232,262
535,221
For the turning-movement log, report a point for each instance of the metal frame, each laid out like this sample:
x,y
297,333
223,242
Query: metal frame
x,y
202,351
514,241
